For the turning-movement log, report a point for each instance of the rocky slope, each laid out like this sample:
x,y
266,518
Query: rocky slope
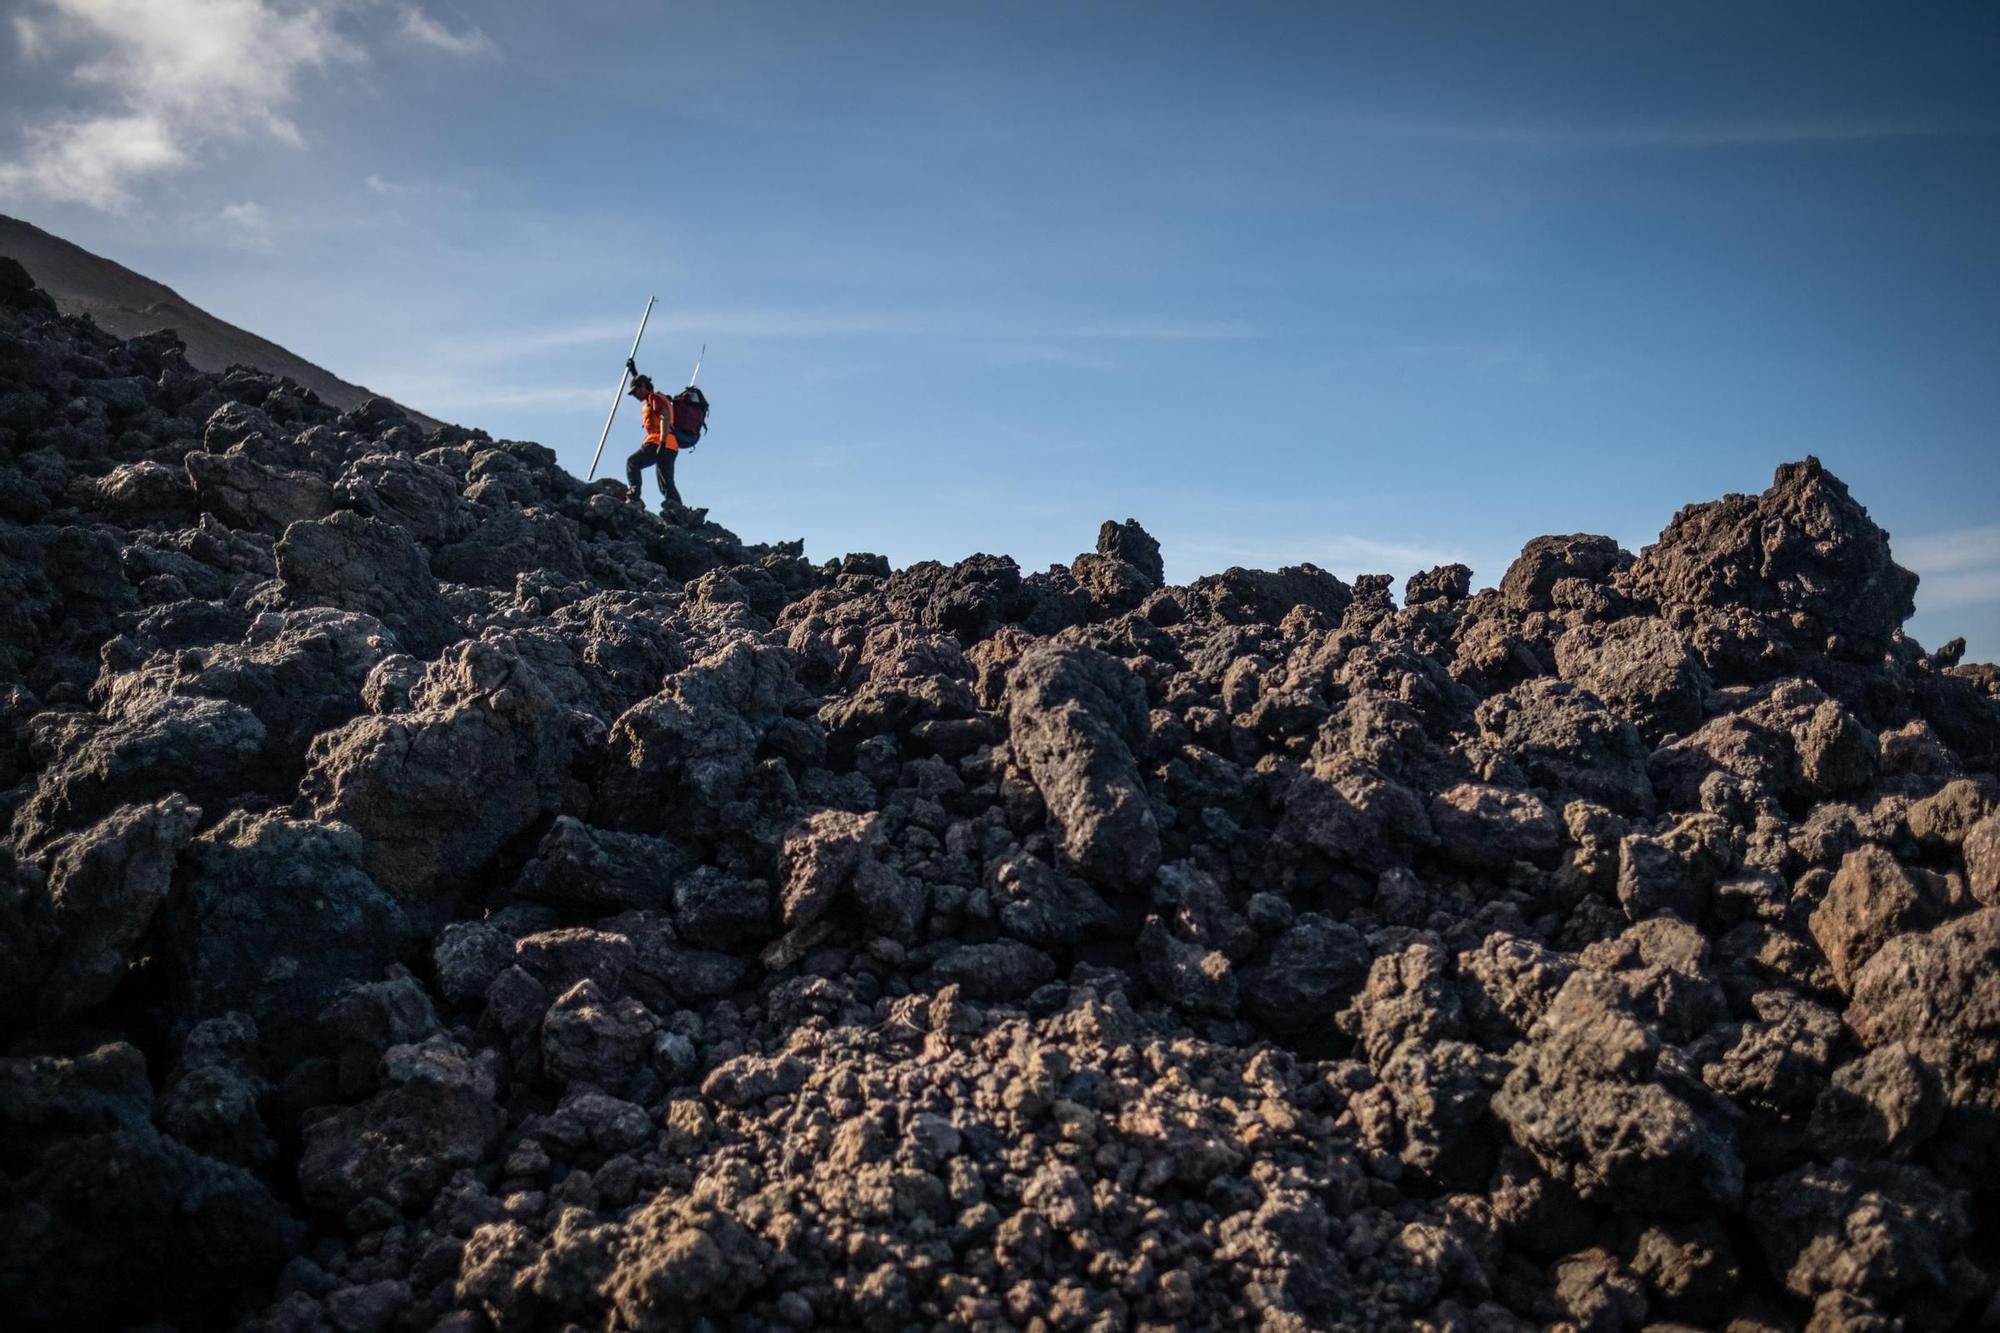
x,y
128,304
438,895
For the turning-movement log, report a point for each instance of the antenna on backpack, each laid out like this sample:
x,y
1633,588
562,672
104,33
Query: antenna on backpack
x,y
697,365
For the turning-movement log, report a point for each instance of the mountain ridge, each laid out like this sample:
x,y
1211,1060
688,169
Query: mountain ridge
x,y
127,303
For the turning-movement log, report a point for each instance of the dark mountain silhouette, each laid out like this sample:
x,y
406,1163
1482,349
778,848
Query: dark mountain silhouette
x,y
128,304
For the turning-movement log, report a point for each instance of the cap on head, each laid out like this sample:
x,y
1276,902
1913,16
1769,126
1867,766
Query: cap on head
x,y
642,383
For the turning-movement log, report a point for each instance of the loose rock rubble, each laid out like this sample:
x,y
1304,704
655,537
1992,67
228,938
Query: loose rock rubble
x,y
439,895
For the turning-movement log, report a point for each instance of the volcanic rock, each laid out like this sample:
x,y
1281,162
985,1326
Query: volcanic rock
x,y
105,884
364,564
1076,716
1529,583
439,895
482,737
1803,560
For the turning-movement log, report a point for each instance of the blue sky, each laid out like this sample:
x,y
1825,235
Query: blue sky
x,y
1374,286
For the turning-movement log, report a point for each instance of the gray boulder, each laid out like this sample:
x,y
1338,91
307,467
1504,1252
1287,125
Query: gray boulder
x,y
1312,970
1565,741
1803,559
247,494
111,1223
210,1100
1641,671
591,1037
1591,1098
354,563
300,672
1884,1104
208,750
1937,993
1888,1235
273,917
817,858
437,790
1133,545
1003,970
676,760
1482,825
596,869
1530,581
105,884
1043,906
1872,899
1075,717
434,1114
417,496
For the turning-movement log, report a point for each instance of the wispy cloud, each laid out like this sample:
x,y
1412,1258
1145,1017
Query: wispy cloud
x,y
414,191
172,76
1955,568
246,225
424,30
1694,134
780,323
1944,552
1508,360
510,345
28,39
765,322
1345,553
1969,587
470,396
1158,330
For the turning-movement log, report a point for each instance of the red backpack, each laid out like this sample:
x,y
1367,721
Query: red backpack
x,y
690,416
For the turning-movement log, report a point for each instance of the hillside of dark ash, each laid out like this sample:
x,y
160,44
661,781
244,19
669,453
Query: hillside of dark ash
x,y
437,894
129,304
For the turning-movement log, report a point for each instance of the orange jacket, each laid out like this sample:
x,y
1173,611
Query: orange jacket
x,y
658,415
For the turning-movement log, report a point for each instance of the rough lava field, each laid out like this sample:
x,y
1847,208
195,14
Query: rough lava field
x,y
438,895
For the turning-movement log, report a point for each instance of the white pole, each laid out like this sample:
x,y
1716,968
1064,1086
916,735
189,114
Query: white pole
x,y
697,365
616,397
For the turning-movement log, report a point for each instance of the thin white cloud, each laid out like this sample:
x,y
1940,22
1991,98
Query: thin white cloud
x,y
500,348
1346,553
421,28
246,225
1942,552
1066,353
778,323
28,39
1749,133
468,397
1159,330
1968,587
412,191
809,324
174,75
1955,568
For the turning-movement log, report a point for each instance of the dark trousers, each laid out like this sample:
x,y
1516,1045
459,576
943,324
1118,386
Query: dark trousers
x,y
661,460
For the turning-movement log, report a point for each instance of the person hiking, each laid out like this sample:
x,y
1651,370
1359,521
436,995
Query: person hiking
x,y
657,414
